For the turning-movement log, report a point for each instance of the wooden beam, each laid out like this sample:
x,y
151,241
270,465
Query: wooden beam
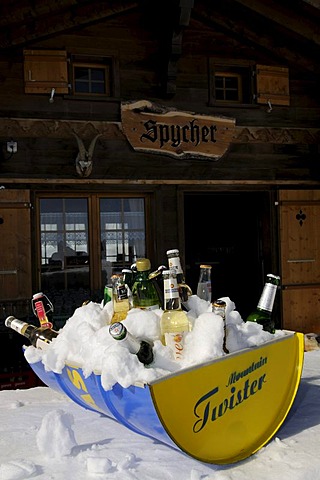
x,y
260,33
43,128
296,21
43,20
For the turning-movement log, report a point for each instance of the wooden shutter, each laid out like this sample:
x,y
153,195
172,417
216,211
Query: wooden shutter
x,y
44,70
272,85
300,259
15,241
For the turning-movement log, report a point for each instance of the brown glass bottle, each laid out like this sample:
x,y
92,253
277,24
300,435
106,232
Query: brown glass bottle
x,y
39,337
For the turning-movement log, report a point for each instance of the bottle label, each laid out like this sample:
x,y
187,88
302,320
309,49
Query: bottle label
x,y
171,289
122,292
175,341
18,325
42,343
267,297
175,264
44,322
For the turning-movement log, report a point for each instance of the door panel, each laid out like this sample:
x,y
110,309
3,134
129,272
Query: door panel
x,y
15,235
300,259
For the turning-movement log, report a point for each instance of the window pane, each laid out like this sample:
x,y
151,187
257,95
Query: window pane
x,y
97,74
123,239
89,79
82,87
231,82
64,248
97,88
81,73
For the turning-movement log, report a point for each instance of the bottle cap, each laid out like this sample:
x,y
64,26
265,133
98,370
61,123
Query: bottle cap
x,y
37,295
157,272
8,321
271,275
143,264
173,251
117,330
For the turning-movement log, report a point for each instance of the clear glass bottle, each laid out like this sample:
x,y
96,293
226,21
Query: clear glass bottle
x,y
141,348
219,308
39,337
204,283
120,298
41,305
144,293
174,323
127,274
157,280
263,313
174,262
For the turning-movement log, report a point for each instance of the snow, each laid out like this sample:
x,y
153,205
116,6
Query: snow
x,y
45,435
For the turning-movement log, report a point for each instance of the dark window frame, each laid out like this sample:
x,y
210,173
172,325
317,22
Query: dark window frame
x,y
243,70
110,65
90,67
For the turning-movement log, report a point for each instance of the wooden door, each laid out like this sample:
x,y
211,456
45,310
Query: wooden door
x,y
15,258
300,259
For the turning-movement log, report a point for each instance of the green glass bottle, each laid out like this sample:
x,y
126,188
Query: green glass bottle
x,y
144,293
141,348
263,313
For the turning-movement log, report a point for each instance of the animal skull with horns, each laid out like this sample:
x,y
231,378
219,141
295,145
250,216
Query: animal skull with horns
x,y
84,160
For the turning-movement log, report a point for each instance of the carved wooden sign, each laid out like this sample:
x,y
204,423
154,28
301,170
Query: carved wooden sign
x,y
152,128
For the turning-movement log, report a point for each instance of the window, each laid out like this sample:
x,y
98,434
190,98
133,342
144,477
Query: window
x,y
83,241
230,84
228,87
94,75
91,79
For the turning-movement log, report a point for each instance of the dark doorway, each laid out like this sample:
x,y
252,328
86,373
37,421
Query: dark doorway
x,y
231,232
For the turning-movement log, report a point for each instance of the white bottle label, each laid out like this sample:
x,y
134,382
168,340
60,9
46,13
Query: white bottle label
x,y
18,325
175,341
175,264
42,344
267,297
171,289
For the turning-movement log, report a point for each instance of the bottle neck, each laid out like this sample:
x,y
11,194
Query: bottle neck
x,y
205,276
267,297
171,294
175,264
21,327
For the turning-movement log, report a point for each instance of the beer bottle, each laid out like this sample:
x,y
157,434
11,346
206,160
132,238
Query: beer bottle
x,y
107,293
157,280
174,323
141,348
263,313
219,308
41,305
120,298
144,293
127,274
204,283
39,337
174,262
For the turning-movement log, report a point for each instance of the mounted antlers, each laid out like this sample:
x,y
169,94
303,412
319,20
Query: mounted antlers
x,y
84,162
